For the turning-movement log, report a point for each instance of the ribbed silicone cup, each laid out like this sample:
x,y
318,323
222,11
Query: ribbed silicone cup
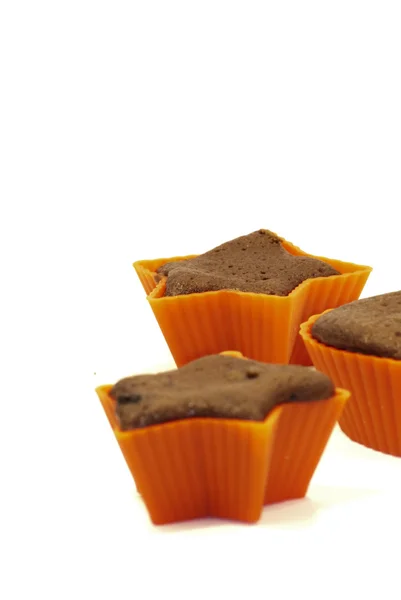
x,y
195,468
109,405
373,415
327,292
301,437
261,326
223,467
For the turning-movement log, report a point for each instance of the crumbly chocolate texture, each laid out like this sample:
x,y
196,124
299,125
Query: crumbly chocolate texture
x,y
215,386
252,263
369,326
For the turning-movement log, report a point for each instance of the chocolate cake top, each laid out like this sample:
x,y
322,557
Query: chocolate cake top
x,y
215,386
369,326
252,263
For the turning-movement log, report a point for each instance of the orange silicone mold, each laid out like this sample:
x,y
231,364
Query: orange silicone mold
x,y
373,415
262,327
224,467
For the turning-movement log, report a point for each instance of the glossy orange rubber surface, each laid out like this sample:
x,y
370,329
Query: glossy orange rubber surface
x,y
303,431
225,468
261,326
373,415
194,468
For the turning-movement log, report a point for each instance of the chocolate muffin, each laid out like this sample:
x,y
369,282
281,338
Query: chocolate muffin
x,y
257,263
215,386
241,454
369,326
249,295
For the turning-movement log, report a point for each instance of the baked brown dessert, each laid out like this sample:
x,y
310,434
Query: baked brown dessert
x,y
257,263
359,347
187,468
262,325
369,326
215,386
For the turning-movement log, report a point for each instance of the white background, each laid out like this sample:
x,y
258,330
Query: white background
x,y
139,129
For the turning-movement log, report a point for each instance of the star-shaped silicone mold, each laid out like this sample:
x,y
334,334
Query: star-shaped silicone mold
x,y
226,468
262,326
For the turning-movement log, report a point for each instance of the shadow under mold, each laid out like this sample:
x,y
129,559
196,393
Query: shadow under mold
x,y
283,515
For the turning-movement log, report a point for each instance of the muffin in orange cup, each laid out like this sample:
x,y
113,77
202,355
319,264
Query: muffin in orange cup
x,y
359,347
250,294
222,436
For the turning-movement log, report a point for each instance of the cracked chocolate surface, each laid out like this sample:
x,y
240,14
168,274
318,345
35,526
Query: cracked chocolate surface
x,y
215,386
252,263
369,326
